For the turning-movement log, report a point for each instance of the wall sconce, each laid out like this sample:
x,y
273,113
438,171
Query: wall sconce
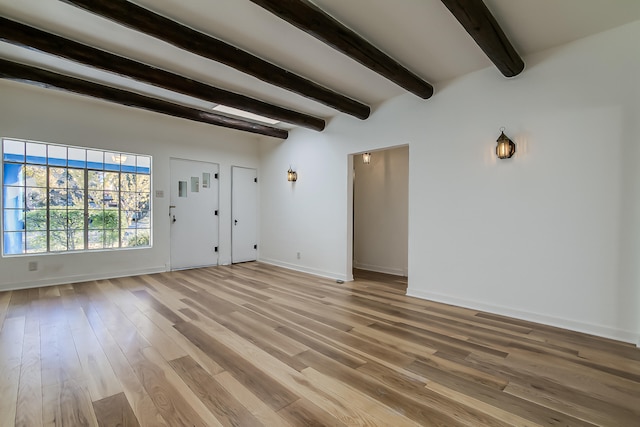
x,y
506,147
366,158
291,175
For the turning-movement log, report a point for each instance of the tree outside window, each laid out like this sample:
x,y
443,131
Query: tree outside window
x,y
58,199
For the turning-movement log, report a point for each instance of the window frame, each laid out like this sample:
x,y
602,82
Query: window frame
x,y
133,200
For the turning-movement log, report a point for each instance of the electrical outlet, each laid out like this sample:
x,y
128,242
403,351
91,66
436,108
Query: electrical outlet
x,y
298,255
33,265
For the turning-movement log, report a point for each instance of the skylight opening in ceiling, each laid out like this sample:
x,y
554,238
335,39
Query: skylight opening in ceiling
x,y
245,114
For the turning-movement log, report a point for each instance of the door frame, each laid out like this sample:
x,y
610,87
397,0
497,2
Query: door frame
x,y
231,219
217,181
351,158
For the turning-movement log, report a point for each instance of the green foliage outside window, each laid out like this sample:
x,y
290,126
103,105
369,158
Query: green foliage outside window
x,y
70,199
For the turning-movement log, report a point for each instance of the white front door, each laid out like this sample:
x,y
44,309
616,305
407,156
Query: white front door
x,y
244,214
193,214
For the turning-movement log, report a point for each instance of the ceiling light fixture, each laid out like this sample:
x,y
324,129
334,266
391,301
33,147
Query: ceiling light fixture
x,y
119,158
366,158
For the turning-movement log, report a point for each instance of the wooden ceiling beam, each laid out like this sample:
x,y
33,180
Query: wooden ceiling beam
x,y
148,22
476,18
27,74
315,22
32,38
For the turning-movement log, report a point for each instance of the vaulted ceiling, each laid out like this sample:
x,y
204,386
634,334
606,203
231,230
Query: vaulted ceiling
x,y
161,50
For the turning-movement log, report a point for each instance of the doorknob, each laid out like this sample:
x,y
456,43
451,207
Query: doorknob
x,y
235,222
174,218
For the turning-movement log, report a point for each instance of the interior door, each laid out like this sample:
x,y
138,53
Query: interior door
x,y
244,214
193,213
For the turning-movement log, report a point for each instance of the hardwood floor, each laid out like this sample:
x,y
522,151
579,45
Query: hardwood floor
x,y
252,345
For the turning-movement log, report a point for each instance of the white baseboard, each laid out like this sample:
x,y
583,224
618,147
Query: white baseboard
x,y
193,267
303,269
588,328
80,278
380,269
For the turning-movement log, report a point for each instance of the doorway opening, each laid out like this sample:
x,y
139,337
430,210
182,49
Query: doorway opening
x,y
380,202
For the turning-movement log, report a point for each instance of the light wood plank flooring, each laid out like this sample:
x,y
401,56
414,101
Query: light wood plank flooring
x,y
256,345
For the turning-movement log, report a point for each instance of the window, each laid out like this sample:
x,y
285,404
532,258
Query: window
x,y
58,198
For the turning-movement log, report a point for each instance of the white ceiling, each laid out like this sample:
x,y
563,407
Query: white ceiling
x,y
420,34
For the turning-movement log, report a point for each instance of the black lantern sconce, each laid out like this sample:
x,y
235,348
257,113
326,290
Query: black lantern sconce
x,y
366,158
506,147
292,176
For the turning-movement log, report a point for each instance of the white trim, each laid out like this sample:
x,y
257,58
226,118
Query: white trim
x,y
79,278
380,269
588,328
232,218
315,272
193,267
217,202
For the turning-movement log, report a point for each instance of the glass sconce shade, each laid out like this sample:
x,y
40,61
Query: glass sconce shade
x,y
292,176
506,147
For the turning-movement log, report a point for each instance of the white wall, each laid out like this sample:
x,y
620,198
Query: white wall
x,y
33,113
307,216
380,207
551,235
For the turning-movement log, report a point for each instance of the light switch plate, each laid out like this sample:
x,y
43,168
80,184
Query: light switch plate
x,y
159,194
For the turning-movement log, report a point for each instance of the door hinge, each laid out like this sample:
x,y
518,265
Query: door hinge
x,y
215,249
215,176
255,179
255,246
216,213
